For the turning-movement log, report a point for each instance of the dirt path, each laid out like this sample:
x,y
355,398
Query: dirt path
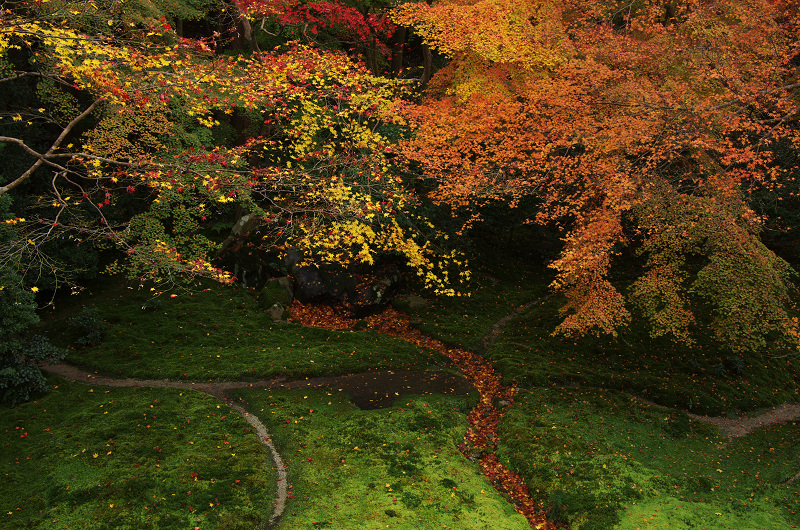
x,y
481,438
497,327
367,390
732,427
217,390
737,427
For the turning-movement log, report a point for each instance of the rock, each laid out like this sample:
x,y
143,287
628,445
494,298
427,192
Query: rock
x,y
277,312
476,454
308,283
276,291
286,283
243,254
362,288
415,302
245,225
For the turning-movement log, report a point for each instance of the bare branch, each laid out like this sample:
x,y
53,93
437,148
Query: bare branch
x,y
18,76
42,159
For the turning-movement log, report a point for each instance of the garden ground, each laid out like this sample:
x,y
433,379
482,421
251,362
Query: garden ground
x,y
90,456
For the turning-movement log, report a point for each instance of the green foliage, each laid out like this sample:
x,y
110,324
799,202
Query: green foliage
x,y
19,374
61,105
705,273
17,307
91,328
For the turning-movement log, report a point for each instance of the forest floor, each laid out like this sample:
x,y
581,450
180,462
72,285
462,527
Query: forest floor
x,y
414,414
380,386
379,389
372,390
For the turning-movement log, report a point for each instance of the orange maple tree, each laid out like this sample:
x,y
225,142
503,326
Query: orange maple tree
x,y
643,125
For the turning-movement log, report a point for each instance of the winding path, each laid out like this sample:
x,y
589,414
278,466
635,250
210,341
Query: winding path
x,y
731,427
736,427
217,390
481,439
497,327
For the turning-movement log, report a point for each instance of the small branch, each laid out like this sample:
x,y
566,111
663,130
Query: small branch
x,y
18,76
42,159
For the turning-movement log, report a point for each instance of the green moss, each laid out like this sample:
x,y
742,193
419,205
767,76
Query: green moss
x,y
93,457
601,458
463,321
397,467
705,380
223,333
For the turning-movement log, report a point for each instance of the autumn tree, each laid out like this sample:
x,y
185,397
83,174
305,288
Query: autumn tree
x,y
360,27
144,157
638,125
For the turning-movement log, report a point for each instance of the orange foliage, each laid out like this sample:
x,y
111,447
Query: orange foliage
x,y
641,126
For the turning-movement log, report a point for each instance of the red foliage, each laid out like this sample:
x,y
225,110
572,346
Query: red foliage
x,y
312,17
483,419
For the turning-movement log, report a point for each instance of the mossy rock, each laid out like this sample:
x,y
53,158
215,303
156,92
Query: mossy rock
x,y
275,291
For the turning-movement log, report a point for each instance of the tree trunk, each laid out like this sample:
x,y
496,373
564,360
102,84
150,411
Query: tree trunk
x,y
398,42
427,62
247,31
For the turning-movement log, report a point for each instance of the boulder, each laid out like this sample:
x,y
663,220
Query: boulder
x,y
363,288
276,291
277,312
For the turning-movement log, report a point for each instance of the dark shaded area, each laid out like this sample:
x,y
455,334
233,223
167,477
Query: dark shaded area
x,y
375,390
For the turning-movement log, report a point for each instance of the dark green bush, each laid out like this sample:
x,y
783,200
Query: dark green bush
x,y
90,326
19,374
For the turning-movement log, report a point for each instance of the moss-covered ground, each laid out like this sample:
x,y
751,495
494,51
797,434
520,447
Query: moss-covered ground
x,y
396,467
707,379
597,457
603,460
93,457
222,334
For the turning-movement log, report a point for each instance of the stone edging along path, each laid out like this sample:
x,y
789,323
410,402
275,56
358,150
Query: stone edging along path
x,y
214,389
481,439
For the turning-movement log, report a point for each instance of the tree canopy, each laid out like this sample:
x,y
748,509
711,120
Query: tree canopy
x,y
139,157
640,130
643,125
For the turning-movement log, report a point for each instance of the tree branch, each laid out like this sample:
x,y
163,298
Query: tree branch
x,y
42,159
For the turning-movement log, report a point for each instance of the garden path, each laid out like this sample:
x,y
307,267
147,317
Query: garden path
x,y
731,427
214,389
481,437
